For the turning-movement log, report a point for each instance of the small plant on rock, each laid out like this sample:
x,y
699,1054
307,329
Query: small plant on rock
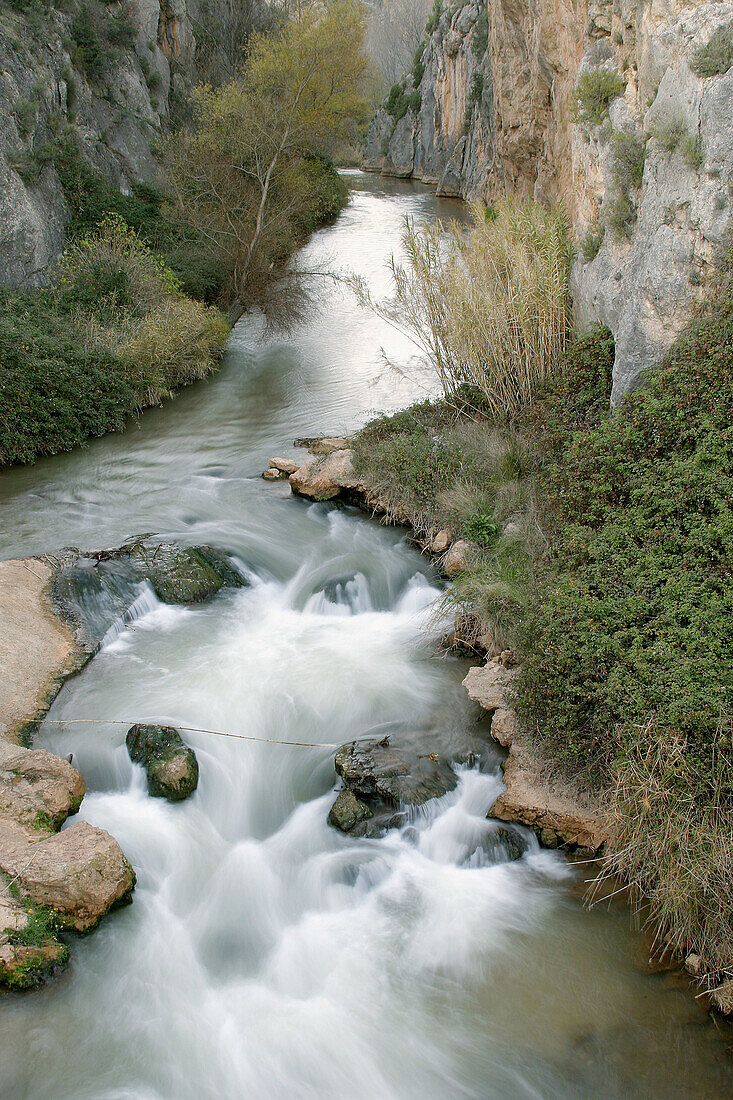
x,y
594,92
716,57
590,246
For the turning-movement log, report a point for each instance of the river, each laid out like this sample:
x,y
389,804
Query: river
x,y
265,955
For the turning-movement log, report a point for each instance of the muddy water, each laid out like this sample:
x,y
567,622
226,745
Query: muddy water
x,y
265,955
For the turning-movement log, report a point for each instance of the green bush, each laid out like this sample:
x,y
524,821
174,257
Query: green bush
x,y
594,93
418,68
590,246
629,154
620,215
480,36
112,272
434,17
670,134
692,151
635,619
55,392
178,342
717,56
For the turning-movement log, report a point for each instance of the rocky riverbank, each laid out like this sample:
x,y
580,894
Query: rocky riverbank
x,y
558,813
55,612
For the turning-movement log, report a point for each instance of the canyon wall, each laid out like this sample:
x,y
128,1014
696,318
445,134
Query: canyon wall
x,y
110,76
620,109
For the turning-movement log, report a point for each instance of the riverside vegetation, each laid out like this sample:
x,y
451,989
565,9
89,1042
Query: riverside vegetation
x,y
601,544
142,299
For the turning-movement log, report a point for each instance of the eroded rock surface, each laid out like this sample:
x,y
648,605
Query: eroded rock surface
x,y
496,114
558,814
38,790
326,478
171,766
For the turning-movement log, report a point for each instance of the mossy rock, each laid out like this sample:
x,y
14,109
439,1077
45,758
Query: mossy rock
x,y
171,766
25,966
348,811
186,574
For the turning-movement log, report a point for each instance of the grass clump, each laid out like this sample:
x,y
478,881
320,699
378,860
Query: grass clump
x,y
594,93
673,135
488,306
629,154
590,246
716,57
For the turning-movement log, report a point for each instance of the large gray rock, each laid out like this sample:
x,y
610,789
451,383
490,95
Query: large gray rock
x,y
396,774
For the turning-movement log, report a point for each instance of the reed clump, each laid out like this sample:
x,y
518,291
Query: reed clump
x,y
489,306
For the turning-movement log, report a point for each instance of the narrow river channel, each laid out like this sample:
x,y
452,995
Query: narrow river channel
x,y
265,955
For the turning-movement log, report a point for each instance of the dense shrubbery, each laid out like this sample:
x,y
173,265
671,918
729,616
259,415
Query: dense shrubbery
x,y
638,621
594,93
55,390
112,335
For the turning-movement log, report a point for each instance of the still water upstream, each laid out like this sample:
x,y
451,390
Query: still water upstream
x,y
265,955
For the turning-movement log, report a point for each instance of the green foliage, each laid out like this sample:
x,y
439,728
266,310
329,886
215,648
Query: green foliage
x,y
635,620
620,215
99,34
418,68
55,391
692,151
629,154
670,134
590,246
31,163
673,135
594,92
482,528
112,271
178,342
434,17
25,111
91,198
717,56
480,36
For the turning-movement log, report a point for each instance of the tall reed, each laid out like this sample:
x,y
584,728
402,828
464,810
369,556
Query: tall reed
x,y
488,305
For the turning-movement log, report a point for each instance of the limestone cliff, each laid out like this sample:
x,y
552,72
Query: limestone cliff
x,y
500,100
111,73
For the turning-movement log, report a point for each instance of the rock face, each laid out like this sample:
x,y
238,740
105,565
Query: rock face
x,y
558,815
496,114
115,110
171,766
49,880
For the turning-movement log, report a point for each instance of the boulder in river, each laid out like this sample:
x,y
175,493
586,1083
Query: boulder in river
x,y
326,478
396,774
49,880
171,766
185,574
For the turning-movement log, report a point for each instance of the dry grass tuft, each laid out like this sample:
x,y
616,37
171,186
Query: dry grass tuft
x,y
671,815
488,306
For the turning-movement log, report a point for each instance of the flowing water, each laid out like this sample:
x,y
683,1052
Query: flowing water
x,y
265,955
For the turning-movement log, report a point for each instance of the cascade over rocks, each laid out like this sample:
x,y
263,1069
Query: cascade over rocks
x,y
171,766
